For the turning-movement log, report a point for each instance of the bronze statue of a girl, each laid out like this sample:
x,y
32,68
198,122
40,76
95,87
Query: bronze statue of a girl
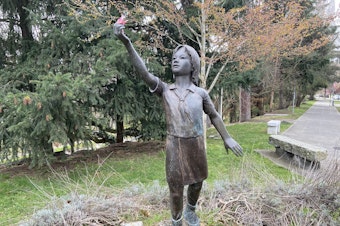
x,y
184,103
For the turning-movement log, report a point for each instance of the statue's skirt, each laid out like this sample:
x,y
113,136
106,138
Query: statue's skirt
x,y
186,161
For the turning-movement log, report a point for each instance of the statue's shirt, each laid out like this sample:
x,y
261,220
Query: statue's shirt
x,y
186,161
184,115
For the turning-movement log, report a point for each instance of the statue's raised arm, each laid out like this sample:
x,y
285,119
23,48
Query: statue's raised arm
x,y
136,60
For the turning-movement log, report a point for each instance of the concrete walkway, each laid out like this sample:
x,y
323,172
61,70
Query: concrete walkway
x,y
319,125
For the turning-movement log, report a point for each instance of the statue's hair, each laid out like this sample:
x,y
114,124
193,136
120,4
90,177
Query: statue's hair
x,y
195,62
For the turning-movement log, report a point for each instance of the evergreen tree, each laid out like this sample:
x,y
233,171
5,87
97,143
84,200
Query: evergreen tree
x,y
64,85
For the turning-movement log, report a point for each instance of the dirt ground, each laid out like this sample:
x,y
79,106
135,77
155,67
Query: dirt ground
x,y
123,150
68,162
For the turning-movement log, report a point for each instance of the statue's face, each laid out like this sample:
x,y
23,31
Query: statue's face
x,y
181,63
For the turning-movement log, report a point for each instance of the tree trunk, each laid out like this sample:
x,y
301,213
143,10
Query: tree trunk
x,y
281,98
202,44
271,103
220,106
203,76
233,114
24,24
72,144
274,82
245,105
120,129
258,103
47,146
299,99
24,20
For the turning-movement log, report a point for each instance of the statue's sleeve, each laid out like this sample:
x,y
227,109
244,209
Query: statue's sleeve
x,y
208,106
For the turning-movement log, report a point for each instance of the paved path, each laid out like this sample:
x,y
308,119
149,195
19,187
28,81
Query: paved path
x,y
319,125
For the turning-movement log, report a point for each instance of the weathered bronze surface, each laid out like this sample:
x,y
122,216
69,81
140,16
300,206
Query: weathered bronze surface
x,y
184,104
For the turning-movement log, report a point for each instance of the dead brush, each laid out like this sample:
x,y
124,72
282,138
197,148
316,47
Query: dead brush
x,y
253,196
89,201
258,198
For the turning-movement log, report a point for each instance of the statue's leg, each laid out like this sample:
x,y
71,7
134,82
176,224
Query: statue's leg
x,y
190,216
194,191
176,203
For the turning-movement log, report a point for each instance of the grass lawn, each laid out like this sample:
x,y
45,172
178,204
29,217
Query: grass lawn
x,y
21,195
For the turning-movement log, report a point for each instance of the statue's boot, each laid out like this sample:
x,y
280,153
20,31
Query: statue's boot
x,y
190,216
177,222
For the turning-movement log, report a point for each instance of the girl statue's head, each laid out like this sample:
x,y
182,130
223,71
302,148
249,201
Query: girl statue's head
x,y
195,61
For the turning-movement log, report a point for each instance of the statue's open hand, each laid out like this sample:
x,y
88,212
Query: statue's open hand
x,y
118,29
230,143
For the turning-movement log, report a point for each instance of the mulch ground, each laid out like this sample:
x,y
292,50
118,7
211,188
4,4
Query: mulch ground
x,y
69,162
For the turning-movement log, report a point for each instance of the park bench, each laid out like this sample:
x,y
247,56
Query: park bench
x,y
302,154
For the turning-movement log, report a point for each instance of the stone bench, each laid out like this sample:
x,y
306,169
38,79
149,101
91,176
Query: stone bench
x,y
302,154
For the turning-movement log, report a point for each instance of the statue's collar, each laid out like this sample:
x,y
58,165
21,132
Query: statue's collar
x,y
191,88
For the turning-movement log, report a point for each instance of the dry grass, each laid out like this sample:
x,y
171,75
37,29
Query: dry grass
x,y
254,197
311,200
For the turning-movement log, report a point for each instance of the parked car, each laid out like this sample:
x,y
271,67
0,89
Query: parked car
x,y
337,97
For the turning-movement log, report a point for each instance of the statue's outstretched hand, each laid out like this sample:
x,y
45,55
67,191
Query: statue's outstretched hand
x,y
230,143
118,29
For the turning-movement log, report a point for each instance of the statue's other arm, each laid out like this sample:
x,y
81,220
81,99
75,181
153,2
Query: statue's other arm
x,y
136,60
218,123
229,142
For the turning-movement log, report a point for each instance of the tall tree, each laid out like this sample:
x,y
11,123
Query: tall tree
x,y
213,31
36,97
63,85
295,31
17,16
272,31
246,34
